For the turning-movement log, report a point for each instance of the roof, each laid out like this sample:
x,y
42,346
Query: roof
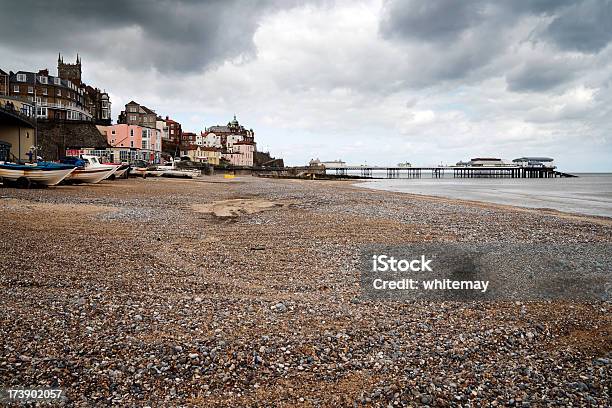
x,y
485,159
218,129
147,110
537,159
2,72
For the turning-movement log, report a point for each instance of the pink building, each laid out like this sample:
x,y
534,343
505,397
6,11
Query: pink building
x,y
241,154
131,142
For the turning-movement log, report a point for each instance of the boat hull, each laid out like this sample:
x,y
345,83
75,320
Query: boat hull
x,y
121,172
91,176
180,173
46,177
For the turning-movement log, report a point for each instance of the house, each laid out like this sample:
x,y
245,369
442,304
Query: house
x,y
132,142
203,154
137,114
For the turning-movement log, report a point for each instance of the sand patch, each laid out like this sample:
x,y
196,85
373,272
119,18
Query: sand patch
x,y
236,207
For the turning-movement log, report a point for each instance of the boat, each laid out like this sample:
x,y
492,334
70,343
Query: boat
x,y
171,170
89,169
139,168
43,173
122,170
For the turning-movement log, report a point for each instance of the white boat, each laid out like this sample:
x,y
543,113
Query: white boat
x,y
44,173
171,170
90,169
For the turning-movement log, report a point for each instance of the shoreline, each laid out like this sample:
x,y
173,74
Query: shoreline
x,y
599,219
135,292
605,220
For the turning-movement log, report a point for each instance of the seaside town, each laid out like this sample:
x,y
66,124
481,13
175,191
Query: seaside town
x,y
305,204
47,118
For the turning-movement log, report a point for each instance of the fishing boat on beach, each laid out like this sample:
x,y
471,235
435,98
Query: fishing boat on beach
x,y
139,168
121,170
170,169
43,173
89,169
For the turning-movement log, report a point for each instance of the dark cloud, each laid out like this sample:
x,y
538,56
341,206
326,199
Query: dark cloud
x,y
429,20
540,76
585,27
169,36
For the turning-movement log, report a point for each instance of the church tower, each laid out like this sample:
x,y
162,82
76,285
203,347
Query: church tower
x,y
72,72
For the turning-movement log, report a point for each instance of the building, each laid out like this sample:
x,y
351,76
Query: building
x,y
131,142
236,143
332,163
55,98
242,154
174,130
488,162
4,83
535,162
221,136
61,97
210,155
17,128
137,114
188,138
97,102
162,127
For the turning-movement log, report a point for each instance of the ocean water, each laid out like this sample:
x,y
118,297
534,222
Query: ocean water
x,y
590,193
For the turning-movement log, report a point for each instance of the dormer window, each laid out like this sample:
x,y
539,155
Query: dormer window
x,y
43,79
57,81
21,77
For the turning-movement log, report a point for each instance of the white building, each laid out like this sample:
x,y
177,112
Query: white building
x,y
534,162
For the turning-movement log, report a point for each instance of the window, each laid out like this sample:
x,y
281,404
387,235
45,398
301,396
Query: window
x,y
16,88
41,112
113,132
132,143
131,132
30,89
59,92
21,77
57,81
43,79
44,91
133,108
38,99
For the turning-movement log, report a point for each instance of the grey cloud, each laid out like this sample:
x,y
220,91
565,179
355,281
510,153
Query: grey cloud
x,y
540,76
585,27
169,36
429,20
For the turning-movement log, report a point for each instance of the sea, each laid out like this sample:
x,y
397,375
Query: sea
x,y
589,193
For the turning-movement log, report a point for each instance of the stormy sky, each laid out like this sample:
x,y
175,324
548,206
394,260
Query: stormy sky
x,y
376,82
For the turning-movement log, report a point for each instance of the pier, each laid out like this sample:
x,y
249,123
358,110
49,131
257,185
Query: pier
x,y
456,171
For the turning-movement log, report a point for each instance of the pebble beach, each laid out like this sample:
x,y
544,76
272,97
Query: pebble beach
x,y
245,292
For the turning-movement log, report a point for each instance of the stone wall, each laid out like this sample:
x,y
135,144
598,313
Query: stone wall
x,y
54,137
